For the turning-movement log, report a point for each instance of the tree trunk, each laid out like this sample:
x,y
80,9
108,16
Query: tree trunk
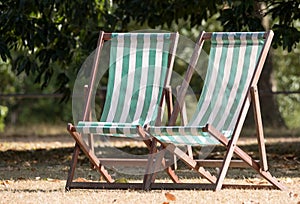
x,y
266,85
269,106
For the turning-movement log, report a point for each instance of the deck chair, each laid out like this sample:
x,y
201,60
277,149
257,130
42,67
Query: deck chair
x,y
235,63
140,65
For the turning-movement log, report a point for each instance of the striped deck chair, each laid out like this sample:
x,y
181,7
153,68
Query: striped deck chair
x,y
235,63
140,65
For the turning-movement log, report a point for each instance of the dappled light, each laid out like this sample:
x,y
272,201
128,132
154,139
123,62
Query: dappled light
x,y
147,101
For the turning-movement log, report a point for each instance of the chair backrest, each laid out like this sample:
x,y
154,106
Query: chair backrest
x,y
234,60
140,66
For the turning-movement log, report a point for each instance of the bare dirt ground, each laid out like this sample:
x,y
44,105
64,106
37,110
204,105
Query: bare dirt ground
x,y
33,169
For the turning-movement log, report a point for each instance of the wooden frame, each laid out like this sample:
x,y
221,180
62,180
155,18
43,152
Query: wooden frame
x,y
216,183
88,149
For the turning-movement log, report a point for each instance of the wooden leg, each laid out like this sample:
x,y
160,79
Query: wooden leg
x,y
259,129
149,174
168,167
256,166
231,145
172,175
190,162
153,144
155,161
88,152
190,151
232,148
72,167
225,166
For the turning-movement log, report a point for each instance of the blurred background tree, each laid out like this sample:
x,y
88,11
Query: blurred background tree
x,y
45,42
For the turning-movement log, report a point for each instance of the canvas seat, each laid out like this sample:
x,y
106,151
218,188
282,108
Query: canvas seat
x,y
235,63
140,65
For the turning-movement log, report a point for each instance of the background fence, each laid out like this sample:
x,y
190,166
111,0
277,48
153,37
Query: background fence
x,y
47,108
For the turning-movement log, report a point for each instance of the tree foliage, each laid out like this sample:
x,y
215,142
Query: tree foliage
x,y
288,80
156,12
235,15
51,38
3,113
47,41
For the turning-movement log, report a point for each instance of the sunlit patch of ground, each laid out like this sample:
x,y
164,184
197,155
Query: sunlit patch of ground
x,y
34,167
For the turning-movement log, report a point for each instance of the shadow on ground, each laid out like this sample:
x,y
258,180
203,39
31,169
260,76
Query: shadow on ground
x,y
283,157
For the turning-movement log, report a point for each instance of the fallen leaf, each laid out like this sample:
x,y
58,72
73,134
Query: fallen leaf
x,y
288,157
250,202
165,202
289,180
293,195
249,181
81,180
263,182
52,180
121,180
257,181
5,183
26,164
170,196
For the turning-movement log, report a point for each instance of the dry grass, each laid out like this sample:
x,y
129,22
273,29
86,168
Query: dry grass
x,y
33,169
52,191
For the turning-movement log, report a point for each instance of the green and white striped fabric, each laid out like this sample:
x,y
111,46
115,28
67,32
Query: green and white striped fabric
x,y
137,75
108,129
232,61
